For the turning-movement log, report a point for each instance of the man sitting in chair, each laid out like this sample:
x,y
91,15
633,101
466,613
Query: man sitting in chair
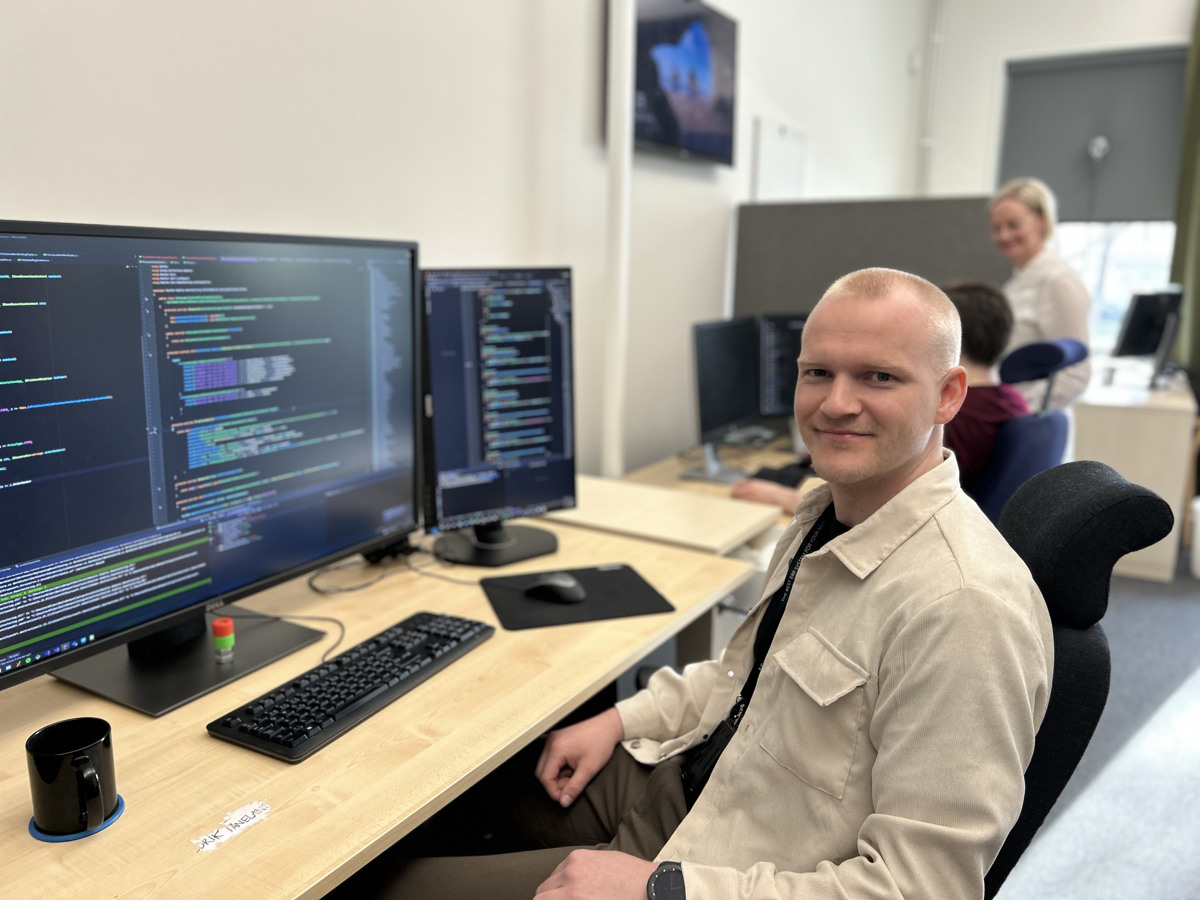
x,y
987,324
866,730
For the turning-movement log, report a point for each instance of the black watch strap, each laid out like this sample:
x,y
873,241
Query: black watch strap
x,y
666,883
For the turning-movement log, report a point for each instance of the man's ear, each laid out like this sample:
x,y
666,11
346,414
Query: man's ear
x,y
953,393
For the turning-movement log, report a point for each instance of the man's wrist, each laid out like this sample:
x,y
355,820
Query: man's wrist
x,y
613,719
666,883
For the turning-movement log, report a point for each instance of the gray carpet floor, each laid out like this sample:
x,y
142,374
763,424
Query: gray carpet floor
x,y
1128,823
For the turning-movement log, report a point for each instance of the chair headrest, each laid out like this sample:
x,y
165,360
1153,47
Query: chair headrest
x,y
1070,524
1038,360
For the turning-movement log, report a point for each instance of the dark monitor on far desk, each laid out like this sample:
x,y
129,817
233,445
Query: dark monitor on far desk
x,y
727,388
1149,328
779,348
499,410
187,418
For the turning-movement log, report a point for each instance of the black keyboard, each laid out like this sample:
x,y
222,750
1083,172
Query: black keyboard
x,y
791,475
300,717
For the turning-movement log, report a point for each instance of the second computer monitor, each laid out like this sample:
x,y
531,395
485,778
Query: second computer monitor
x,y
727,376
727,389
1147,320
779,348
500,439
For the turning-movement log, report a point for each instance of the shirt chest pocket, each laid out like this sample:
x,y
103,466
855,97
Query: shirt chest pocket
x,y
816,713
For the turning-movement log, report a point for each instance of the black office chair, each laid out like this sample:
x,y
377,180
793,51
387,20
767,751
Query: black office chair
x,y
1070,524
1028,444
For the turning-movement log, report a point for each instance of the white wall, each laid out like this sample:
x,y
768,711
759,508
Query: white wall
x,y
472,126
980,38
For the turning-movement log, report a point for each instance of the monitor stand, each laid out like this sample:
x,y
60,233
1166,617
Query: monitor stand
x,y
494,544
1163,367
712,469
169,668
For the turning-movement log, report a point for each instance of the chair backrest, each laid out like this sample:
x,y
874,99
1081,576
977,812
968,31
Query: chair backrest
x,y
1042,359
1024,446
1070,524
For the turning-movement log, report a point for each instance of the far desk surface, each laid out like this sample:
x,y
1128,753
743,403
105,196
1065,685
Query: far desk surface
x,y
666,472
712,524
337,810
775,455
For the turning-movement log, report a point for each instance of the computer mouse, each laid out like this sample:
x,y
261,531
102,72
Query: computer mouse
x,y
556,587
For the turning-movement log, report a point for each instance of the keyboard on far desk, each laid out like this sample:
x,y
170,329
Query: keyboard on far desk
x,y
789,476
298,718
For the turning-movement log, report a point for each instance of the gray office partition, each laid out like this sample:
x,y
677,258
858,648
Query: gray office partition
x,y
789,253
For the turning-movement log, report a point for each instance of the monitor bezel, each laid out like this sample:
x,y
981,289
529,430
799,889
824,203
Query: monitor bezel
x,y
763,320
373,548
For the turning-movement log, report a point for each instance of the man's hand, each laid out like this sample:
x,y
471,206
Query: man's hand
x,y
572,756
598,874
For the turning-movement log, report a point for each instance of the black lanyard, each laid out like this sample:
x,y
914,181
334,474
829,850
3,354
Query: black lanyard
x,y
774,614
699,761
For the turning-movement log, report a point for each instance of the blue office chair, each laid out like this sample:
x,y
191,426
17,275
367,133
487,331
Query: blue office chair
x,y
1028,444
1043,359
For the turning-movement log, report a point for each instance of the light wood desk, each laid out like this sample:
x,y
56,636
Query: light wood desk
x,y
1146,435
667,472
337,810
712,524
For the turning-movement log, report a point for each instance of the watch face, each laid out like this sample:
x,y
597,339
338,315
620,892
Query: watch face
x,y
666,883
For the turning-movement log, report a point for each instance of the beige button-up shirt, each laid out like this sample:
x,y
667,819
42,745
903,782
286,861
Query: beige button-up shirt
x,y
884,749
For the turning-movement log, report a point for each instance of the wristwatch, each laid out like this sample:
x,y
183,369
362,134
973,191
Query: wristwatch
x,y
666,883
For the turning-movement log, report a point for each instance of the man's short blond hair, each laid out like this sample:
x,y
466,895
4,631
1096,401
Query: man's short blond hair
x,y
944,325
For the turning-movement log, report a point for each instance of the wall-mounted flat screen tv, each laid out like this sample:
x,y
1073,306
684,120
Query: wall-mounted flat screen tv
x,y
685,81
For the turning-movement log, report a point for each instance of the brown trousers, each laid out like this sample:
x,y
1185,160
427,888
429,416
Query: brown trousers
x,y
505,836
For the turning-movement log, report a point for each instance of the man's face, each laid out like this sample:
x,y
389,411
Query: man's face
x,y
868,398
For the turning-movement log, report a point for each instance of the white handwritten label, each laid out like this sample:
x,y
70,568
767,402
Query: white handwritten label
x,y
234,824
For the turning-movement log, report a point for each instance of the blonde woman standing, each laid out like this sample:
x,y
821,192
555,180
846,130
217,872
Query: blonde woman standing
x,y
1048,298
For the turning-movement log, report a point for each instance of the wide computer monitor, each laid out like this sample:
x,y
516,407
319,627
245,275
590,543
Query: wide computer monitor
x,y
499,410
726,359
186,418
779,348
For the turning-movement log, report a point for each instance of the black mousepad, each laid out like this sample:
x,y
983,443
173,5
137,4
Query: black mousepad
x,y
612,592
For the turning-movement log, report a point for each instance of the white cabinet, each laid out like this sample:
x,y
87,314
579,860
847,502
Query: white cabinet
x,y
1146,435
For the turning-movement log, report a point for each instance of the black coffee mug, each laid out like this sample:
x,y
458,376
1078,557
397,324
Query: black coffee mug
x,y
72,776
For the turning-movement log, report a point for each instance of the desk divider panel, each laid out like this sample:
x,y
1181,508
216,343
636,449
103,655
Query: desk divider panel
x,y
789,253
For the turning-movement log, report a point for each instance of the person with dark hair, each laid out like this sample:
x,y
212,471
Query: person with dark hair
x,y
987,324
